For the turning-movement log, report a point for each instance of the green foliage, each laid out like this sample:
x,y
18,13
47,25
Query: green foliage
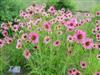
x,y
9,9
95,8
67,4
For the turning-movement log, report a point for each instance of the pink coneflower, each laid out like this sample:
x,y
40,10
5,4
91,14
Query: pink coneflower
x,y
94,31
4,26
98,13
15,28
80,36
5,33
97,28
23,14
97,22
29,10
83,64
98,56
70,72
70,38
47,26
19,45
98,37
52,10
10,40
46,39
35,47
33,37
57,43
27,54
24,36
97,73
1,43
77,73
97,46
71,23
88,44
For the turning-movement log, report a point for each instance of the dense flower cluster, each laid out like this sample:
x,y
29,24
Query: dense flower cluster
x,y
35,22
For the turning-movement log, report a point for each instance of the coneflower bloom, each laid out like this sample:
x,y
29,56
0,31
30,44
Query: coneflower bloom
x,y
4,26
10,40
70,72
15,28
27,54
33,37
46,39
56,43
1,43
83,64
71,24
88,43
4,33
70,38
98,13
94,31
19,45
97,28
98,37
35,47
77,73
22,13
52,10
24,36
47,26
80,36
97,22
97,73
98,56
